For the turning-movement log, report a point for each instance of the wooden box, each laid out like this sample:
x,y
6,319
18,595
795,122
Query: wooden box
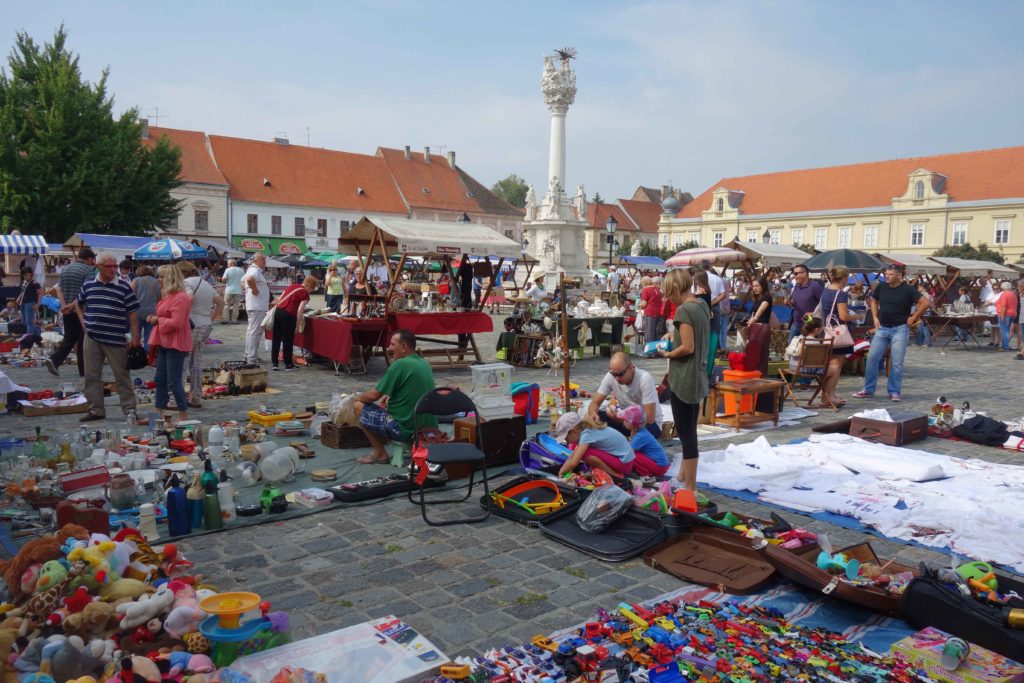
x,y
257,378
500,441
333,436
906,427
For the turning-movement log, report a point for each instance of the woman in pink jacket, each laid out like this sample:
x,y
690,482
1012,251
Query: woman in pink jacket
x,y
1006,310
172,335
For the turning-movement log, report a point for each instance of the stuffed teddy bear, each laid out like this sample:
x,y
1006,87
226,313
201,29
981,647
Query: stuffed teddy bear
x,y
146,607
96,619
37,551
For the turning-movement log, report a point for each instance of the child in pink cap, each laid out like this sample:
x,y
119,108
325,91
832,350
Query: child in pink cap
x,y
651,459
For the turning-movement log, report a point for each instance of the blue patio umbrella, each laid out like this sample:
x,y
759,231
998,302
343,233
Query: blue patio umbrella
x,y
169,250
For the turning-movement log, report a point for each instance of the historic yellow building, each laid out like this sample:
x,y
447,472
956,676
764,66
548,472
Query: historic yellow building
x,y
906,205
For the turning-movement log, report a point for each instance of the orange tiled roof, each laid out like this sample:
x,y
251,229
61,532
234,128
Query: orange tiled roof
x,y
306,176
446,188
988,174
645,214
196,164
597,216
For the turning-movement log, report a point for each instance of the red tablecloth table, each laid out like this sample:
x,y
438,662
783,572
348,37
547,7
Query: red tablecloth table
x,y
334,338
464,324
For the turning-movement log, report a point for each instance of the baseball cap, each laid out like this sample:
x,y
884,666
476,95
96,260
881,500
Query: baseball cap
x,y
565,425
633,416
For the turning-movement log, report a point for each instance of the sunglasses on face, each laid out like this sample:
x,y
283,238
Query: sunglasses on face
x,y
623,373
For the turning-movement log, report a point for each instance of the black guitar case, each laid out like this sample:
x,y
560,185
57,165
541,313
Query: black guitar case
x,y
628,536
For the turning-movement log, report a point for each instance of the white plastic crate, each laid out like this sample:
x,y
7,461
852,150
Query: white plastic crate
x,y
492,378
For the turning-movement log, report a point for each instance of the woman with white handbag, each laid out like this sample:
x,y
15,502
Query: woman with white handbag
x,y
834,307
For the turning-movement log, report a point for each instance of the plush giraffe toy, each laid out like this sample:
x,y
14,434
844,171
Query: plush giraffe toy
x,y
43,604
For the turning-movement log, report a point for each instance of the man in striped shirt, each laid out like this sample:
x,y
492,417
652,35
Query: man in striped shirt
x,y
68,286
106,307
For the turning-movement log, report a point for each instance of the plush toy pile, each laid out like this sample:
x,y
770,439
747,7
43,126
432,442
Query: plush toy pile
x,y
85,607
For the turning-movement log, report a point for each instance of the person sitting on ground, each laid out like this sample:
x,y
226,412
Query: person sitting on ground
x,y
386,411
27,341
651,459
10,313
596,445
630,386
810,332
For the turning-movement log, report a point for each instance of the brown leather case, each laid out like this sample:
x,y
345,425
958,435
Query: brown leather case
x,y
712,557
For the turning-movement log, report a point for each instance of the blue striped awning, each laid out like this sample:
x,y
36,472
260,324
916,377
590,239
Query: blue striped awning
x,y
22,244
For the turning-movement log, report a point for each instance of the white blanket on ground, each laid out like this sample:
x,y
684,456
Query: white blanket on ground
x,y
970,506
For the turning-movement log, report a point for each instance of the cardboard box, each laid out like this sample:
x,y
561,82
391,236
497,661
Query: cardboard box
x,y
53,407
924,649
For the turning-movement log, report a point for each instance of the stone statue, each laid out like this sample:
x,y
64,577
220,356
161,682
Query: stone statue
x,y
558,85
553,199
580,202
549,259
635,249
531,204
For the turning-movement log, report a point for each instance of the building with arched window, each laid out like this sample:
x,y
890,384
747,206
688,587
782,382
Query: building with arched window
x,y
914,205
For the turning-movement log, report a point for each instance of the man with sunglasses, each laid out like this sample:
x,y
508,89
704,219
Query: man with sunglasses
x,y
107,308
803,299
629,385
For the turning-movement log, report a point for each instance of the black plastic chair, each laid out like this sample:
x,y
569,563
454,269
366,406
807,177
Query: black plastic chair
x,y
439,403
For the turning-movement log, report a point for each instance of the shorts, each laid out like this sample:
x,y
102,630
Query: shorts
x,y
646,467
614,464
378,420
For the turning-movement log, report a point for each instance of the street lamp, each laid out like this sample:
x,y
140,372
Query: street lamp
x,y
766,237
464,218
610,225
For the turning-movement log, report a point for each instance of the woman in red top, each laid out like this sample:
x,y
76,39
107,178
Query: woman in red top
x,y
172,335
652,304
289,308
1006,309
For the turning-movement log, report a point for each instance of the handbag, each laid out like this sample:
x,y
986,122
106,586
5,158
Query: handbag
x,y
268,319
838,332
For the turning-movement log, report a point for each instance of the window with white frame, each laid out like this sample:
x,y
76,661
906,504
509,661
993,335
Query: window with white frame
x,y
721,204
870,235
1002,235
664,241
252,224
798,235
820,238
752,236
695,237
919,189
679,240
719,239
774,237
916,234
959,233
844,238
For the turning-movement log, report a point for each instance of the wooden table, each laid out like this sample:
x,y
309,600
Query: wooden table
x,y
744,388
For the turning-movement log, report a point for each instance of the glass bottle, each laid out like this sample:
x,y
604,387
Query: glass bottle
x,y
66,456
39,453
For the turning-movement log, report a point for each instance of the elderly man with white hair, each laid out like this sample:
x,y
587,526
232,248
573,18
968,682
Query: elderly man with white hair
x,y
232,280
257,303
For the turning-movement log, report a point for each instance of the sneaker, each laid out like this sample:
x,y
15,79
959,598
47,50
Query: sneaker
x,y
195,404
895,398
275,368
862,394
91,417
52,368
289,368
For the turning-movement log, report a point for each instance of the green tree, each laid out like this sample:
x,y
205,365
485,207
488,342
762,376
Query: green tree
x,y
652,249
66,163
806,247
966,251
597,199
512,189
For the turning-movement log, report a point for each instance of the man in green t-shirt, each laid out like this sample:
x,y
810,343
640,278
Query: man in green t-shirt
x,y
408,378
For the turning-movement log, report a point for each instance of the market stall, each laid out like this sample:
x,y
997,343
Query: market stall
x,y
121,246
18,251
958,268
441,242
336,339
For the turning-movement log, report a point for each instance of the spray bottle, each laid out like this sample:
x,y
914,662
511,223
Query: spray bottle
x,y
194,503
211,507
177,515
226,496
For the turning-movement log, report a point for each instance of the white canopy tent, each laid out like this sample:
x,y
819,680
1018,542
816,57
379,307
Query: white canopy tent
x,y
969,268
780,256
431,238
915,264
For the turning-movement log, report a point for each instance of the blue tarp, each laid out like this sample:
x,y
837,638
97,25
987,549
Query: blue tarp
x,y
121,243
648,261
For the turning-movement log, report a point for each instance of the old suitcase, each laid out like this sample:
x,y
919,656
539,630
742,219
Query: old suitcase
x,y
712,557
499,439
906,427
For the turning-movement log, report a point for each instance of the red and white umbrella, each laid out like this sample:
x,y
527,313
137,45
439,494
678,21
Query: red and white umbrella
x,y
718,256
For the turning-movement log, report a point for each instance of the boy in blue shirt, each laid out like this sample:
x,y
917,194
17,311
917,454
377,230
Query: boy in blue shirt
x,y
651,459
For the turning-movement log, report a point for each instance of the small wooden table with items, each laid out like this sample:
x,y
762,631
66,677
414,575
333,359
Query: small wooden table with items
x,y
747,389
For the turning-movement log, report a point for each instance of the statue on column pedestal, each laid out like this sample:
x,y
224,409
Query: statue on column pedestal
x,y
580,203
531,204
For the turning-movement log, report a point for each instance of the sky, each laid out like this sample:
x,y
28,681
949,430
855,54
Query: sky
x,y
684,92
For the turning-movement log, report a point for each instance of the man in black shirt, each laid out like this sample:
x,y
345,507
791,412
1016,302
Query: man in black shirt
x,y
891,305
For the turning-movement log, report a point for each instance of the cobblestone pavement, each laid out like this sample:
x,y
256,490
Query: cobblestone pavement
x,y
469,587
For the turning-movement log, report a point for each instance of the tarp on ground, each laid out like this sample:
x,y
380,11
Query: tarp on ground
x,y
971,268
119,245
916,264
23,244
783,256
431,238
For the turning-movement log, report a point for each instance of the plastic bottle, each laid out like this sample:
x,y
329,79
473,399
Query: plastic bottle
x,y
215,441
211,507
147,522
39,448
130,423
194,503
177,514
226,496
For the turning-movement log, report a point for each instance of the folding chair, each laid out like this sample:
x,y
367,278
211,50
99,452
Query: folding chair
x,y
813,363
446,402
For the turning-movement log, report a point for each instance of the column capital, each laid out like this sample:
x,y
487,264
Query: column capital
x,y
558,86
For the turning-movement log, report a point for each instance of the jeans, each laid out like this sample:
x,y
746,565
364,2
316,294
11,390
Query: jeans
x,y
1004,329
195,362
723,330
795,329
334,301
170,364
28,316
283,337
923,336
895,339
73,339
